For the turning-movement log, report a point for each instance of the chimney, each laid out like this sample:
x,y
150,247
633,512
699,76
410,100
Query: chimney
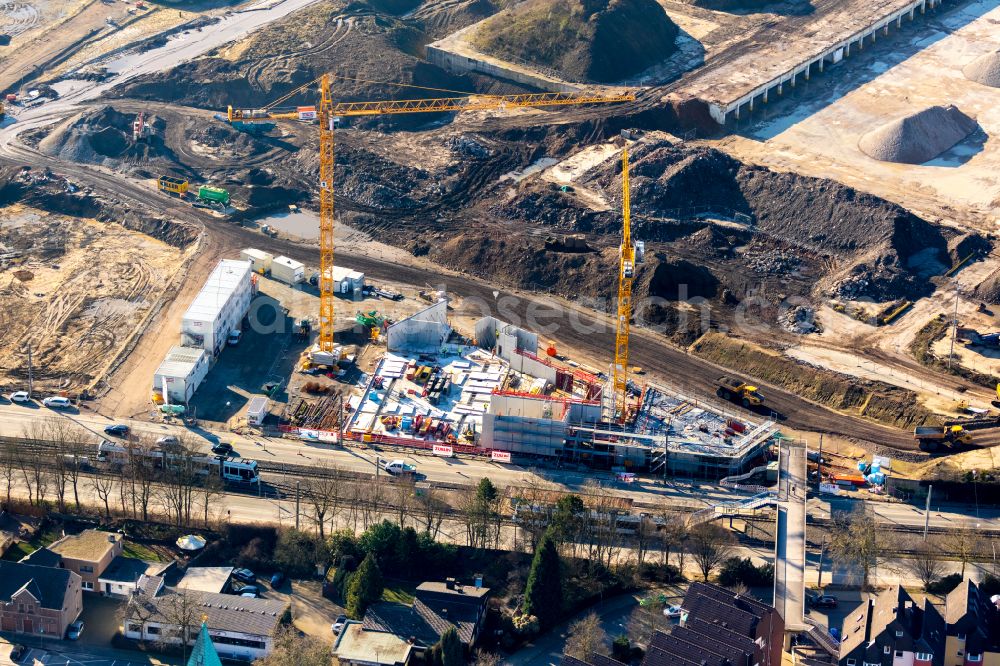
x,y
449,583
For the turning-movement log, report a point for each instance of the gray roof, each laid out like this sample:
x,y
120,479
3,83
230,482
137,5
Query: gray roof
x,y
126,569
46,584
223,612
401,620
43,557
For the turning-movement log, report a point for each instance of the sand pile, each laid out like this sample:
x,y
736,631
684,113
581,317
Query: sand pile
x,y
919,137
985,70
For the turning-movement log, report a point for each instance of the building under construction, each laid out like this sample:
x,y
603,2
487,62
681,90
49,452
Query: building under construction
x,y
500,398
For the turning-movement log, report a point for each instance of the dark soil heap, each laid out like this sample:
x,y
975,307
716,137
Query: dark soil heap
x,y
595,40
104,136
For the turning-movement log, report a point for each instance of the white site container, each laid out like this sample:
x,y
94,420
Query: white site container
x,y
180,374
257,410
260,261
287,270
219,307
347,281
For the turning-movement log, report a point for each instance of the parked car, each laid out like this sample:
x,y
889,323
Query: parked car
x,y
222,449
116,430
249,595
277,579
672,611
234,338
824,601
246,589
17,652
338,624
74,630
244,575
20,396
167,440
57,402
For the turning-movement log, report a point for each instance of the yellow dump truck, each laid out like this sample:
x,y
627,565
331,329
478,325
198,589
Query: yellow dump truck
x,y
737,390
930,438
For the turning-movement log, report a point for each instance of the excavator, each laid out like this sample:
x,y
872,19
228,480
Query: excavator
x,y
328,114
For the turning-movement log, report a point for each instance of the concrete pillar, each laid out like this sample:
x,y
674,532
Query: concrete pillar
x,y
736,113
885,31
923,7
847,50
899,22
780,89
764,100
793,80
822,62
808,68
912,11
750,104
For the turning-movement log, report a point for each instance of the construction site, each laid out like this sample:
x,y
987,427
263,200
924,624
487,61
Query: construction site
x,y
807,207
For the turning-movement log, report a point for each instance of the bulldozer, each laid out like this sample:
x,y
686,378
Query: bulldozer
x,y
737,390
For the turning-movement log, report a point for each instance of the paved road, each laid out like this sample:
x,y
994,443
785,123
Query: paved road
x,y
17,419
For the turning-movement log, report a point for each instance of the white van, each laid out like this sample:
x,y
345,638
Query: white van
x,y
57,402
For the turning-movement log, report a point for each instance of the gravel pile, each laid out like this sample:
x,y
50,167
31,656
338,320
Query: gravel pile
x,y
920,137
985,70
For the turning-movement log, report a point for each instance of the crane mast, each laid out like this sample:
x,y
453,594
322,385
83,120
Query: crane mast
x,y
326,226
626,273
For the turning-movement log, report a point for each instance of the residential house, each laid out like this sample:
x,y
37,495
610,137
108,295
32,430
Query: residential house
x,y
89,554
436,607
890,629
358,646
972,631
126,574
720,628
240,628
38,600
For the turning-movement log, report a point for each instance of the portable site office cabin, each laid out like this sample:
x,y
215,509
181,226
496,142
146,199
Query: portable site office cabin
x,y
347,281
260,261
257,410
180,374
287,270
219,307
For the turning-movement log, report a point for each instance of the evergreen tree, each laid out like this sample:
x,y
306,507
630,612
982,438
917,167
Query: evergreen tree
x,y
365,588
449,650
543,593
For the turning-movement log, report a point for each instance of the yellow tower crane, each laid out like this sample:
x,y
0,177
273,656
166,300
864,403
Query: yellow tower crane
x,y
328,110
626,274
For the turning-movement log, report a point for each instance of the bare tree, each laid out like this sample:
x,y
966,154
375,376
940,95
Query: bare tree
x,y
403,492
212,488
291,649
323,493
586,637
143,457
432,509
710,546
856,539
103,485
8,469
924,564
482,658
645,620
963,544
181,613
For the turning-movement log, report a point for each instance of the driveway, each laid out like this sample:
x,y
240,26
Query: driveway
x,y
312,613
100,620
